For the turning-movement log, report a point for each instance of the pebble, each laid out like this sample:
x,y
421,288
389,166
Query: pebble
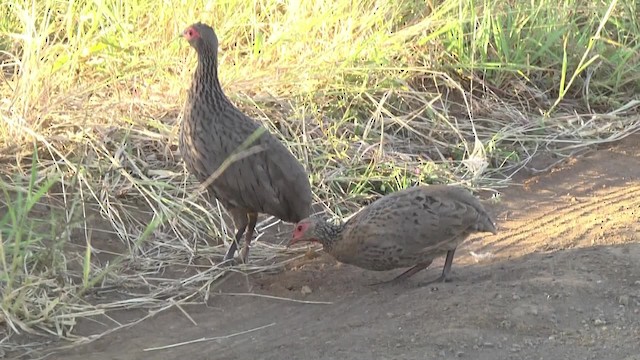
x,y
505,324
623,300
305,290
599,322
534,310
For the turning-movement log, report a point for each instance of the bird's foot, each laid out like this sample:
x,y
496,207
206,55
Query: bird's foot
x,y
440,279
244,254
227,262
228,259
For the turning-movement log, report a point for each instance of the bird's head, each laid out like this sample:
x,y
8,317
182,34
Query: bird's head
x,y
305,230
202,38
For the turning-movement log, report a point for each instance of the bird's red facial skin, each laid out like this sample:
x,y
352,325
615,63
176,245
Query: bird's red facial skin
x,y
299,232
190,33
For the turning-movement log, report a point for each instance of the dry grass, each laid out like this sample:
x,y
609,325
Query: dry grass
x,y
370,97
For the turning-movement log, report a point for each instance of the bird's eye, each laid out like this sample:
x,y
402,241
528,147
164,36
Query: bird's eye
x,y
190,33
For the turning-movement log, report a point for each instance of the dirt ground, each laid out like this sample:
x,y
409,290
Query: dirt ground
x,y
561,280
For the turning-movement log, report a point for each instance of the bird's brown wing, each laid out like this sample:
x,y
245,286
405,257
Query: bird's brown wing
x,y
483,223
289,183
442,222
420,219
270,181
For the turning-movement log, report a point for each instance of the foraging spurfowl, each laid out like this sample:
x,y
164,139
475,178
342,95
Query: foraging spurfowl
x,y
410,227
270,181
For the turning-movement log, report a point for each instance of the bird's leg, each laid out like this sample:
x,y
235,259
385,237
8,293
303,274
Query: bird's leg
x,y
240,220
406,274
447,269
234,246
412,271
253,219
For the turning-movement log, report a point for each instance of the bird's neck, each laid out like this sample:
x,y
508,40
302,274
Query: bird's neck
x,y
206,82
328,234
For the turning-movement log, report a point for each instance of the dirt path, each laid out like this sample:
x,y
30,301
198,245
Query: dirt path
x,y
560,281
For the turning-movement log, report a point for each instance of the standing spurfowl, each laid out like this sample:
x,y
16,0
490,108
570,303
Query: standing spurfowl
x,y
271,181
410,227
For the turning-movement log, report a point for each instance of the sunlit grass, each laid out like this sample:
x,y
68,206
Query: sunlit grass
x,y
371,96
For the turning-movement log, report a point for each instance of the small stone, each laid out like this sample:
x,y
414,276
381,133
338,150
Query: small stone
x,y
552,338
389,315
599,322
515,297
623,300
460,354
305,290
528,342
534,310
488,344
